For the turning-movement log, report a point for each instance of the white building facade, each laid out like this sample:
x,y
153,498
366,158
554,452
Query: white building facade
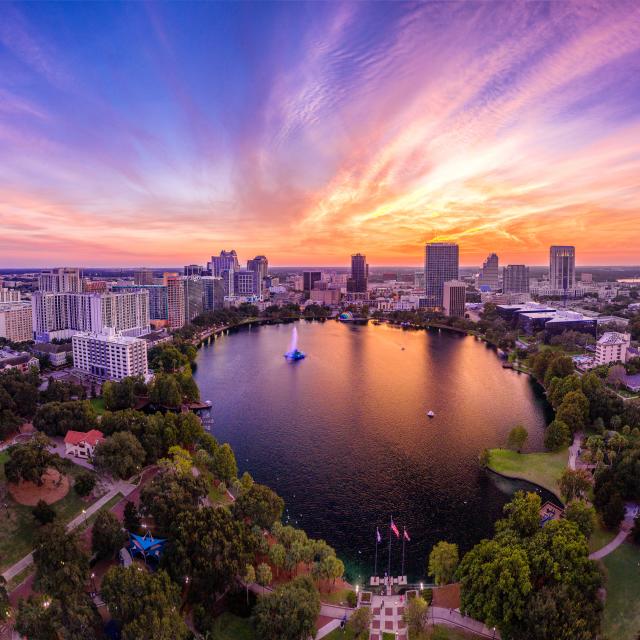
x,y
16,322
612,347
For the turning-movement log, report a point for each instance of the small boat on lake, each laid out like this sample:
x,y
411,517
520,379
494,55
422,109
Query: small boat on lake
x,y
431,414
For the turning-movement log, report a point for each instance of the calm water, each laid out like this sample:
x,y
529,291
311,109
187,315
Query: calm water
x,y
343,435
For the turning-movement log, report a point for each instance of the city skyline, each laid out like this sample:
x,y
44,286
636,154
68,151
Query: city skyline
x,y
144,134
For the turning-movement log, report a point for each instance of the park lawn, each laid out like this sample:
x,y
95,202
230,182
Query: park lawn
x,y
230,627
17,525
335,597
98,405
622,607
600,537
543,469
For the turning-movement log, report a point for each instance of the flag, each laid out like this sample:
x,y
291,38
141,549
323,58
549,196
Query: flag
x,y
378,536
395,529
406,535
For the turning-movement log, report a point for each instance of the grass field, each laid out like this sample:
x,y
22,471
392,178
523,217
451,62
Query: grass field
x,y
437,633
622,607
543,469
98,405
17,525
230,627
600,537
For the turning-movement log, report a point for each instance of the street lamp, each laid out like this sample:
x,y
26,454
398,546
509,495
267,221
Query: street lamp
x,y
84,515
93,584
494,632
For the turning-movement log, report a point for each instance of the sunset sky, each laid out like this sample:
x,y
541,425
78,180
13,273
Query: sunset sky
x,y
158,134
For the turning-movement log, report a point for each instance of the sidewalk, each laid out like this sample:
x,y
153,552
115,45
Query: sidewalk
x,y
119,487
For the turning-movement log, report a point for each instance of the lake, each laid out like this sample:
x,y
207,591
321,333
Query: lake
x,y
344,438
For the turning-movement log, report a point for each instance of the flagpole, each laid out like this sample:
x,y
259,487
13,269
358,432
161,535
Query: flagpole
x,y
389,566
375,564
404,536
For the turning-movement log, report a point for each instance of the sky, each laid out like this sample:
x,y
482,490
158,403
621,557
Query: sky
x,y
160,133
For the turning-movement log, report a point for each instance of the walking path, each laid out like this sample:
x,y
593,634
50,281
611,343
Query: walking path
x,y
573,450
119,487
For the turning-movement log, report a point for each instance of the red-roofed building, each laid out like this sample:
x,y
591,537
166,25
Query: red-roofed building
x,y
80,444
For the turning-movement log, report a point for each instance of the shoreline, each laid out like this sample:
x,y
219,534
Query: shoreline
x,y
532,482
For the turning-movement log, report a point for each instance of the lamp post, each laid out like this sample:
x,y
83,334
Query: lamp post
x,y
494,632
93,584
84,515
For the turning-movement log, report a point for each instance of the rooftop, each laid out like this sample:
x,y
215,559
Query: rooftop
x,y
613,337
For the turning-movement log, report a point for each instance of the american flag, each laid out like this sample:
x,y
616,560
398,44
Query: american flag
x,y
406,535
395,529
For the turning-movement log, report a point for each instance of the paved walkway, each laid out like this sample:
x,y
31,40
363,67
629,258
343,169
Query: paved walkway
x,y
574,448
119,487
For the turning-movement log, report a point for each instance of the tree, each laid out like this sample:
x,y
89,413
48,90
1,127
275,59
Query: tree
x,y
119,395
289,613
415,615
84,483
574,411
522,514
107,536
43,512
147,604
165,391
224,466
263,574
179,459
360,622
484,457
443,561
249,577
583,515
46,618
277,556
557,436
61,564
28,461
121,455
574,483
166,358
5,605
56,418
517,438
131,517
260,505
613,511
616,375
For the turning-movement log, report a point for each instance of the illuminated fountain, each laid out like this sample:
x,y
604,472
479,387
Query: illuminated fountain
x,y
293,353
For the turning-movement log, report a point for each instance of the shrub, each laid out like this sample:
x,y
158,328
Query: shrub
x,y
84,484
43,512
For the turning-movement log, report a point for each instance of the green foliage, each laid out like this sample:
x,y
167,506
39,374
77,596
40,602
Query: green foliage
x,y
224,465
526,576
122,395
517,438
574,411
107,536
583,515
289,613
131,518
557,436
352,599
263,574
415,615
18,399
165,391
443,562
58,391
167,358
121,455
85,481
360,622
56,418
484,457
28,461
61,564
573,484
44,513
147,604
260,505
613,511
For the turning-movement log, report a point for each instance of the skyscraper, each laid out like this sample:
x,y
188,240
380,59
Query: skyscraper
x,y
245,283
192,270
213,293
440,265
259,265
358,281
454,296
515,279
226,260
562,268
193,297
142,277
308,279
488,276
61,280
175,300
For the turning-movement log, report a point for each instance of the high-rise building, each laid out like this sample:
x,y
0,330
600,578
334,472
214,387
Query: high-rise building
x,y
488,276
359,279
260,265
193,270
158,310
65,279
143,277
193,297
226,260
175,300
515,279
213,293
109,355
9,295
440,265
16,321
454,295
61,315
246,283
562,268
418,280
308,280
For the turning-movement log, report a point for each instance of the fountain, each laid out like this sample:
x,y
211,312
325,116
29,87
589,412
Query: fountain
x,y
293,353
